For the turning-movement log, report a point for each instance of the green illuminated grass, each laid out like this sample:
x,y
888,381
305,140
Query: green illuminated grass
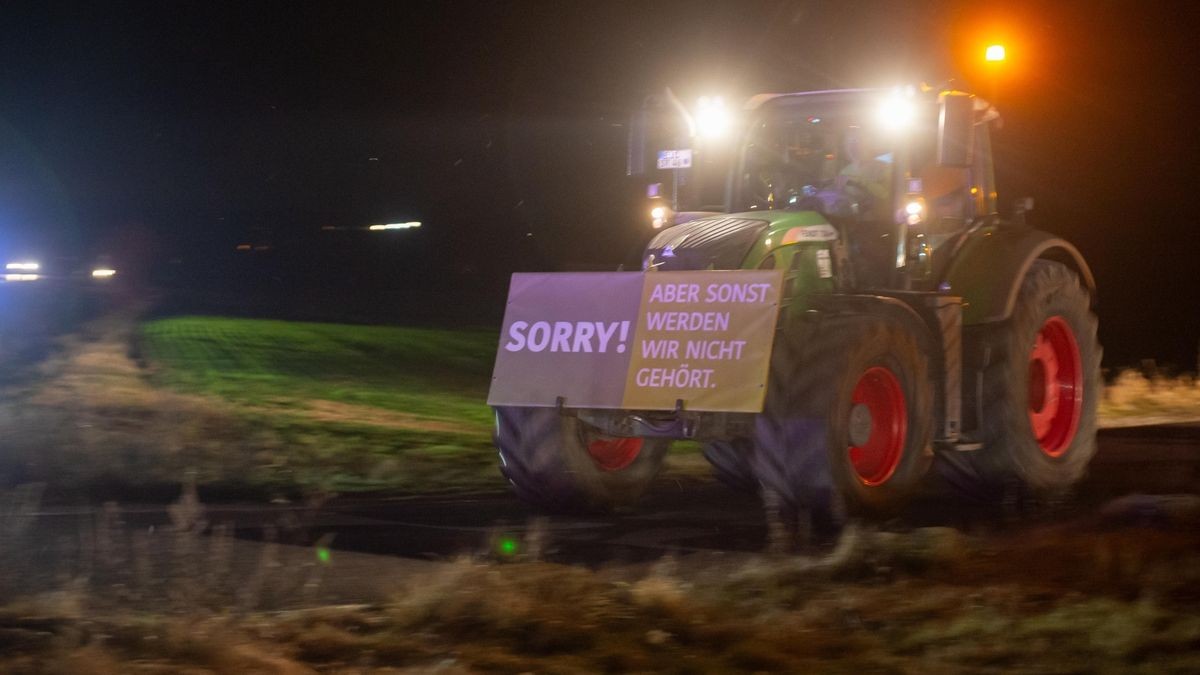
x,y
430,374
339,406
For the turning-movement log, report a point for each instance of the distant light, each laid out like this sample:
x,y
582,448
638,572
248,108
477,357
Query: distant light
x,y
712,118
103,273
994,53
243,247
913,208
26,266
20,277
396,226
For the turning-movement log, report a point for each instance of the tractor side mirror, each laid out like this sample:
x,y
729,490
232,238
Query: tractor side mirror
x,y
956,127
635,160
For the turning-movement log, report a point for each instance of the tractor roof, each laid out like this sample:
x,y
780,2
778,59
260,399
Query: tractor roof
x,y
830,95
758,100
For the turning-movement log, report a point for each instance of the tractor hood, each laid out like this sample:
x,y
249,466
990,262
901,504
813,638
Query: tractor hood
x,y
732,241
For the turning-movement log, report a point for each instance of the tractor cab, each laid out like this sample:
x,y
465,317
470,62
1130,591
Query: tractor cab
x,y
899,173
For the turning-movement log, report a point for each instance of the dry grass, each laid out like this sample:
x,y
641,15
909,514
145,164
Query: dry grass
x,y
876,606
1134,398
1055,598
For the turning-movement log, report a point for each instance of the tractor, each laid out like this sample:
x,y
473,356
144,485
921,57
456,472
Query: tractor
x,y
917,327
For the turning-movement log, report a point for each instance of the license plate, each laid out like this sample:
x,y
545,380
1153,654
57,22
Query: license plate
x,y
675,159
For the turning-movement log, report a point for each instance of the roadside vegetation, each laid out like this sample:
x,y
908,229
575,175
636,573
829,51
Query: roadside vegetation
x,y
1072,597
1133,398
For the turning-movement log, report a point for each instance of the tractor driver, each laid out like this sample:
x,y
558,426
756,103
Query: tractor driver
x,y
867,179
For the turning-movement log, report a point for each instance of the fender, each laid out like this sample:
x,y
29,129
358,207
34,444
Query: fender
x,y
935,321
990,266
833,304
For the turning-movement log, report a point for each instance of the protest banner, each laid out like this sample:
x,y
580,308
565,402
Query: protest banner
x,y
650,341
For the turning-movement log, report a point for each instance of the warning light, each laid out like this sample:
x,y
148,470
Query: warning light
x,y
994,53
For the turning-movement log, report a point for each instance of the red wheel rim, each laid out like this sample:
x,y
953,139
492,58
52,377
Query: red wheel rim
x,y
612,453
879,395
1055,386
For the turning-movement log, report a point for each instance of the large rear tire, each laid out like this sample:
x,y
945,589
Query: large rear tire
x,y
847,419
1041,385
561,464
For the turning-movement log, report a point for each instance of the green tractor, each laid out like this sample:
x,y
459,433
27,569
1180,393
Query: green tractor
x,y
917,326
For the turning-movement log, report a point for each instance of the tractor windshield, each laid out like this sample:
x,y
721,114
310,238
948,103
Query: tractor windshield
x,y
837,164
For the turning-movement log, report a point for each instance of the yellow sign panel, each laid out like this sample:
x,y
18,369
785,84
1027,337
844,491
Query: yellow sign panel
x,y
703,339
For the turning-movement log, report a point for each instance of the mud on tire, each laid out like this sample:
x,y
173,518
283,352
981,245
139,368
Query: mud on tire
x,y
804,438
545,456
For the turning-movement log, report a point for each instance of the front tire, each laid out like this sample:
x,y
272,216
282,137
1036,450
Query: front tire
x,y
560,464
847,419
731,465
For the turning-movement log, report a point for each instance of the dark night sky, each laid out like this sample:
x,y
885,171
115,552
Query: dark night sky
x,y
187,124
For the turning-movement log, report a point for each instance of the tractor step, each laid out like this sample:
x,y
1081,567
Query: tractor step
x,y
947,446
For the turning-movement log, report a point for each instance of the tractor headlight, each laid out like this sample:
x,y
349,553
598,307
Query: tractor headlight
x,y
660,216
899,110
914,211
712,117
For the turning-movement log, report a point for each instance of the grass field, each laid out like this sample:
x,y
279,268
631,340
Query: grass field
x,y
340,407
433,379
